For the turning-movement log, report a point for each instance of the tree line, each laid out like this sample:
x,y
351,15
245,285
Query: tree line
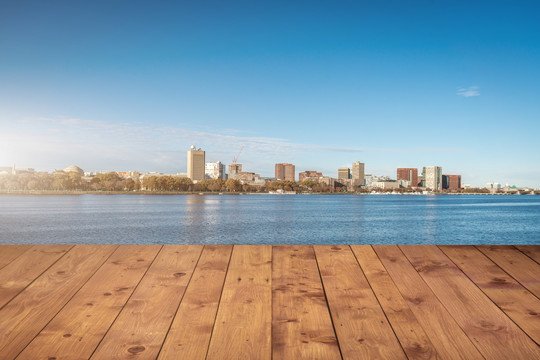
x,y
72,181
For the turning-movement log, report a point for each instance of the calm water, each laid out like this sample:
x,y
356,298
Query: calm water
x,y
269,219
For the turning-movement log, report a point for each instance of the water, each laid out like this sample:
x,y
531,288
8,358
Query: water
x,y
269,219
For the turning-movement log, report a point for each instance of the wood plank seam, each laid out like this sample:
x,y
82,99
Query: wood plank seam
x,y
497,305
326,299
16,257
31,282
403,296
507,273
219,302
438,299
488,343
524,253
67,302
135,288
433,293
271,306
179,303
375,294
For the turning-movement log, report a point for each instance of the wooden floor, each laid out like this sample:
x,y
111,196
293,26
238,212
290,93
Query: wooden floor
x,y
262,302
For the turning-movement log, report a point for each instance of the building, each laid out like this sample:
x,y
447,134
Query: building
x,y
74,169
128,174
493,186
432,176
234,169
409,174
214,170
344,173
249,178
285,172
309,175
451,182
195,164
15,171
386,184
404,183
357,174
368,179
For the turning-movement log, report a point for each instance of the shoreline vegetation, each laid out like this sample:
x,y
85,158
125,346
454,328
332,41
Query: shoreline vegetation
x,y
72,183
143,192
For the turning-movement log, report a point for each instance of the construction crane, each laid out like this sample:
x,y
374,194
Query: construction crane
x,y
235,159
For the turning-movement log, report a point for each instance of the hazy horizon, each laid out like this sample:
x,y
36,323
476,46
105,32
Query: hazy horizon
x,y
131,86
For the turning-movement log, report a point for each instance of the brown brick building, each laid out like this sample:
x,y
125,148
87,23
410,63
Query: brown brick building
x,y
285,172
409,174
451,182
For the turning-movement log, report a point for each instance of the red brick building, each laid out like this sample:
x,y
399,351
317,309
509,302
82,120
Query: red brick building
x,y
285,172
409,174
451,182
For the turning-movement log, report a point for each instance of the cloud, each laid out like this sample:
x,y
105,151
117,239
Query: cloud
x,y
50,143
469,92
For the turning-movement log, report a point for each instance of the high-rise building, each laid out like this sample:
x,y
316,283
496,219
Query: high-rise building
x,y
234,169
409,174
285,172
432,176
195,164
214,170
451,182
344,173
357,173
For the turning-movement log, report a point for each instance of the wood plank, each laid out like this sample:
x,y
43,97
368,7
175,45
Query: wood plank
x,y
518,303
141,327
8,253
532,251
408,330
24,317
244,319
445,334
361,326
79,327
493,333
15,276
521,267
191,329
301,324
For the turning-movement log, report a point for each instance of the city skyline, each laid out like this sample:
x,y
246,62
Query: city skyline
x,y
106,86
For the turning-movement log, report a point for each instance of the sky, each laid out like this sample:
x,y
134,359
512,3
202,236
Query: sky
x,y
131,85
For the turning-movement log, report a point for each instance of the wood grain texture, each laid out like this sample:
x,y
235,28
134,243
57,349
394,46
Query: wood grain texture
x,y
516,301
445,334
244,319
493,333
301,323
141,327
409,332
361,325
8,253
78,328
521,267
532,251
15,276
191,330
24,317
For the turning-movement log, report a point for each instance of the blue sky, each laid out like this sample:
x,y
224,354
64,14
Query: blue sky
x,y
130,85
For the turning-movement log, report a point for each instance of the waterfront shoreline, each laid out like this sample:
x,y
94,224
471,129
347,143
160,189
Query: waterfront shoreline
x,y
76,192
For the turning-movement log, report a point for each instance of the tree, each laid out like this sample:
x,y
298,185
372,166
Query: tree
x,y
233,185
